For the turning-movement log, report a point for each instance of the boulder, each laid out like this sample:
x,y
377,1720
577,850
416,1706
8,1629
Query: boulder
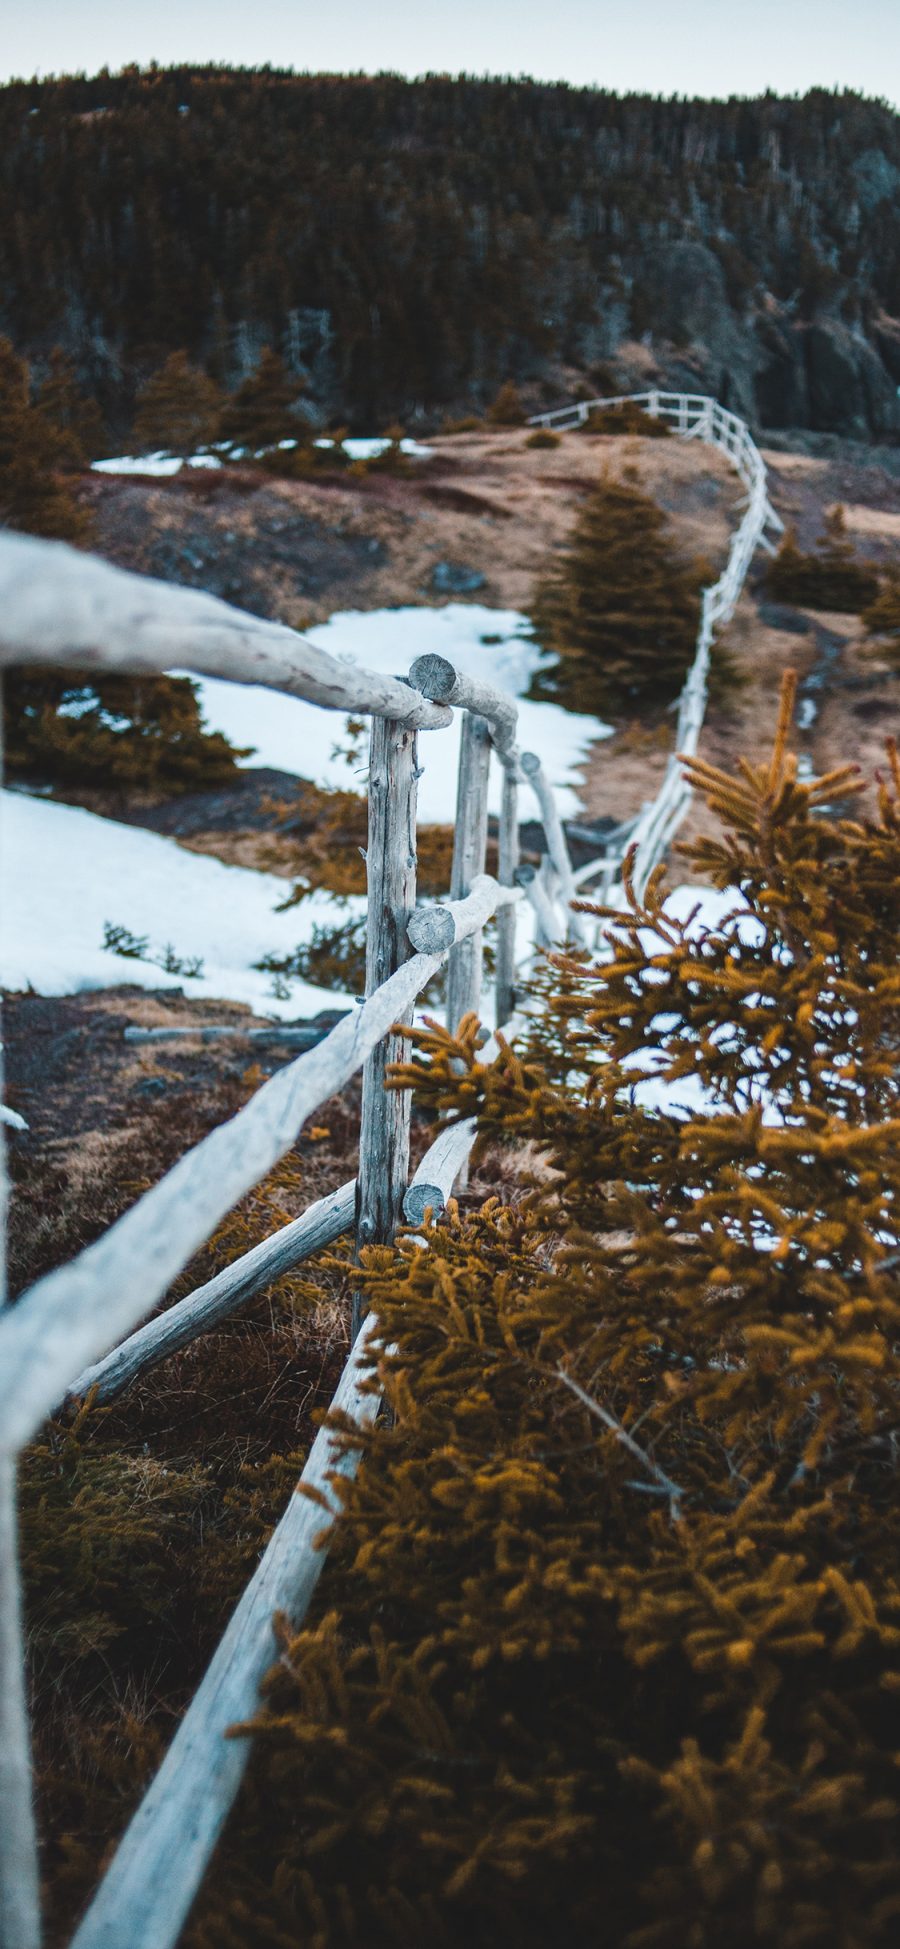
x,y
454,579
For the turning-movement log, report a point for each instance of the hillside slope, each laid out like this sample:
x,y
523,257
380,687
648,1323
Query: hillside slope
x,y
407,245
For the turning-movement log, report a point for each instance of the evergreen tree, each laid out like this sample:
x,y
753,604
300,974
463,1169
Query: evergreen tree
x,y
76,420
262,411
74,727
882,617
629,417
32,498
832,577
619,609
179,409
607,1648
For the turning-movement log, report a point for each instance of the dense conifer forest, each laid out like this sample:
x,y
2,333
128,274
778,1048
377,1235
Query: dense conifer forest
x,y
406,247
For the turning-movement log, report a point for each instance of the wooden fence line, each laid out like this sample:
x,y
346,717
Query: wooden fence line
x,y
160,1861
697,417
20,1922
58,605
439,680
205,1308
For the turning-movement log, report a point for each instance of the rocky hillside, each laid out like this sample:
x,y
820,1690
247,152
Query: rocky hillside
x,y
407,246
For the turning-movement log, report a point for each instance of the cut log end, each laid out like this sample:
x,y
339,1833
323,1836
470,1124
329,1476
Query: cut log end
x,y
421,1198
431,929
434,676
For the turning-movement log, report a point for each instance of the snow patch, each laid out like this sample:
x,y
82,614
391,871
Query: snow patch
x,y
162,464
371,449
64,873
154,464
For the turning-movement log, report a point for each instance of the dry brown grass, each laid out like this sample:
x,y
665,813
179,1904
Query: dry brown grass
x,y
485,499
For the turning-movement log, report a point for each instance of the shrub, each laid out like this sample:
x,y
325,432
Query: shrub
x,y
620,610
507,408
33,498
263,410
543,437
882,617
75,419
629,417
331,831
391,459
75,727
333,957
830,578
609,1641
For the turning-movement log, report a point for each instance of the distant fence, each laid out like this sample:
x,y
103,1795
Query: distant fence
x,y
62,607
695,417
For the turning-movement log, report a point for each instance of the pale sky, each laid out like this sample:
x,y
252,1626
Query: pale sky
x,y
687,47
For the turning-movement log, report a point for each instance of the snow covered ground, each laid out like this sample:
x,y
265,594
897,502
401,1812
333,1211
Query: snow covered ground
x,y
64,873
162,464
154,464
492,644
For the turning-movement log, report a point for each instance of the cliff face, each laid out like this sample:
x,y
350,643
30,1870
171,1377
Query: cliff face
x,y
406,246
777,366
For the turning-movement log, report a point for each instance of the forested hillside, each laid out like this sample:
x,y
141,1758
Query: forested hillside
x,y
407,246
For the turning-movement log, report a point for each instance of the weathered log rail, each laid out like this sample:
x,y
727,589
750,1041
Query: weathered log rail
x,y
84,1327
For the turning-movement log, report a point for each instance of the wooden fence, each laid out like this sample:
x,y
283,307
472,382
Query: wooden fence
x,y
80,1328
695,417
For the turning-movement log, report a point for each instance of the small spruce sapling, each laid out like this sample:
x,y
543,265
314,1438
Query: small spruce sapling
x,y
179,409
619,610
832,577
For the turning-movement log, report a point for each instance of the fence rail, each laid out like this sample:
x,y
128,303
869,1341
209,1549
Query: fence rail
x,y
80,1328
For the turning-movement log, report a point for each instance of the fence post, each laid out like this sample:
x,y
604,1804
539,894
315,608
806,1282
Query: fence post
x,y
20,1926
20,1920
508,860
391,883
469,850
557,847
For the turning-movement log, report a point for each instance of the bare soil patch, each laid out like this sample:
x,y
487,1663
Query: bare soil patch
x,y
299,550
